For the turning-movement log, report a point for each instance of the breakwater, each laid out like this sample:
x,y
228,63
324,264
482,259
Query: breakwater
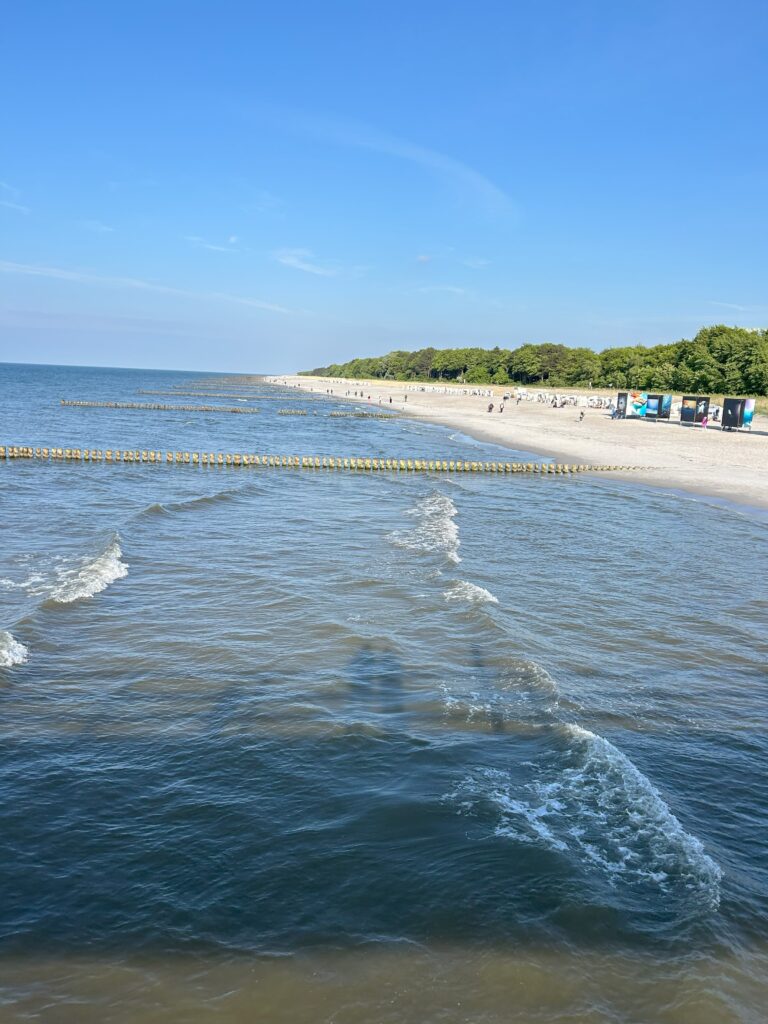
x,y
299,461
194,394
362,415
157,407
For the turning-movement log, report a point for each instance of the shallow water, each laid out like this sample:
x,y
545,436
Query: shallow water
x,y
326,746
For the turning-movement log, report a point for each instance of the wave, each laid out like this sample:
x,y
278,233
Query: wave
x,y
31,581
602,809
436,531
461,590
158,508
513,691
204,499
644,836
12,652
89,576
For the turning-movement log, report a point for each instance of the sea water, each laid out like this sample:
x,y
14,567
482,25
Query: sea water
x,y
324,746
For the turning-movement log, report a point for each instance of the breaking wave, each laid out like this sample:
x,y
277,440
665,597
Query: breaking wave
x,y
89,576
436,530
30,582
12,652
602,809
515,693
461,590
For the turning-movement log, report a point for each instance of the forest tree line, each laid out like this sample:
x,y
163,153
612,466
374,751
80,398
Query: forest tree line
x,y
719,360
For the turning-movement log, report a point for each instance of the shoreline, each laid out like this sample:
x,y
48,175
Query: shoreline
x,y
730,467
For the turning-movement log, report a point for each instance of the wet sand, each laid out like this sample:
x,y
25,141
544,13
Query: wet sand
x,y
728,465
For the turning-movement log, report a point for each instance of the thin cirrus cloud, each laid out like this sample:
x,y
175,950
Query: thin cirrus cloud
x,y
263,202
304,259
471,184
9,198
448,289
37,318
200,243
463,293
736,307
96,227
134,283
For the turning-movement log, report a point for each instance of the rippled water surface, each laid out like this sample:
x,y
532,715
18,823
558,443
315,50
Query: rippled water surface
x,y
306,746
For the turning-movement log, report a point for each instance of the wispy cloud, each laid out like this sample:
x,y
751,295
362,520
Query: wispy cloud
x,y
96,226
200,243
119,186
477,264
443,252
304,259
449,289
263,202
471,184
10,205
134,283
469,294
9,196
733,305
36,318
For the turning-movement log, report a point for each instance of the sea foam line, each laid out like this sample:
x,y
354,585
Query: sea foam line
x,y
89,576
436,530
12,651
462,590
603,810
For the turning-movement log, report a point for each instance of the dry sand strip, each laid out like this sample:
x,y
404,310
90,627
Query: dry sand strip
x,y
723,464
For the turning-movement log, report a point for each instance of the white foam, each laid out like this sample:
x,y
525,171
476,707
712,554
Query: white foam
x,y
436,530
12,652
461,590
29,583
89,576
603,810
627,826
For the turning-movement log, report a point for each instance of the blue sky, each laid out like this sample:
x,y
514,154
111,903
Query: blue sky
x,y
246,186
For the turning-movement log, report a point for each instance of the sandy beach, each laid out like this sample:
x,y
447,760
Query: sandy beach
x,y
728,465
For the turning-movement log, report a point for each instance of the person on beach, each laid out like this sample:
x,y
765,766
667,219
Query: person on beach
x,y
490,407
501,407
581,416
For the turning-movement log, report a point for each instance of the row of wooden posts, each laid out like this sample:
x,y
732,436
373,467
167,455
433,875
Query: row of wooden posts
x,y
197,394
157,406
295,461
363,415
